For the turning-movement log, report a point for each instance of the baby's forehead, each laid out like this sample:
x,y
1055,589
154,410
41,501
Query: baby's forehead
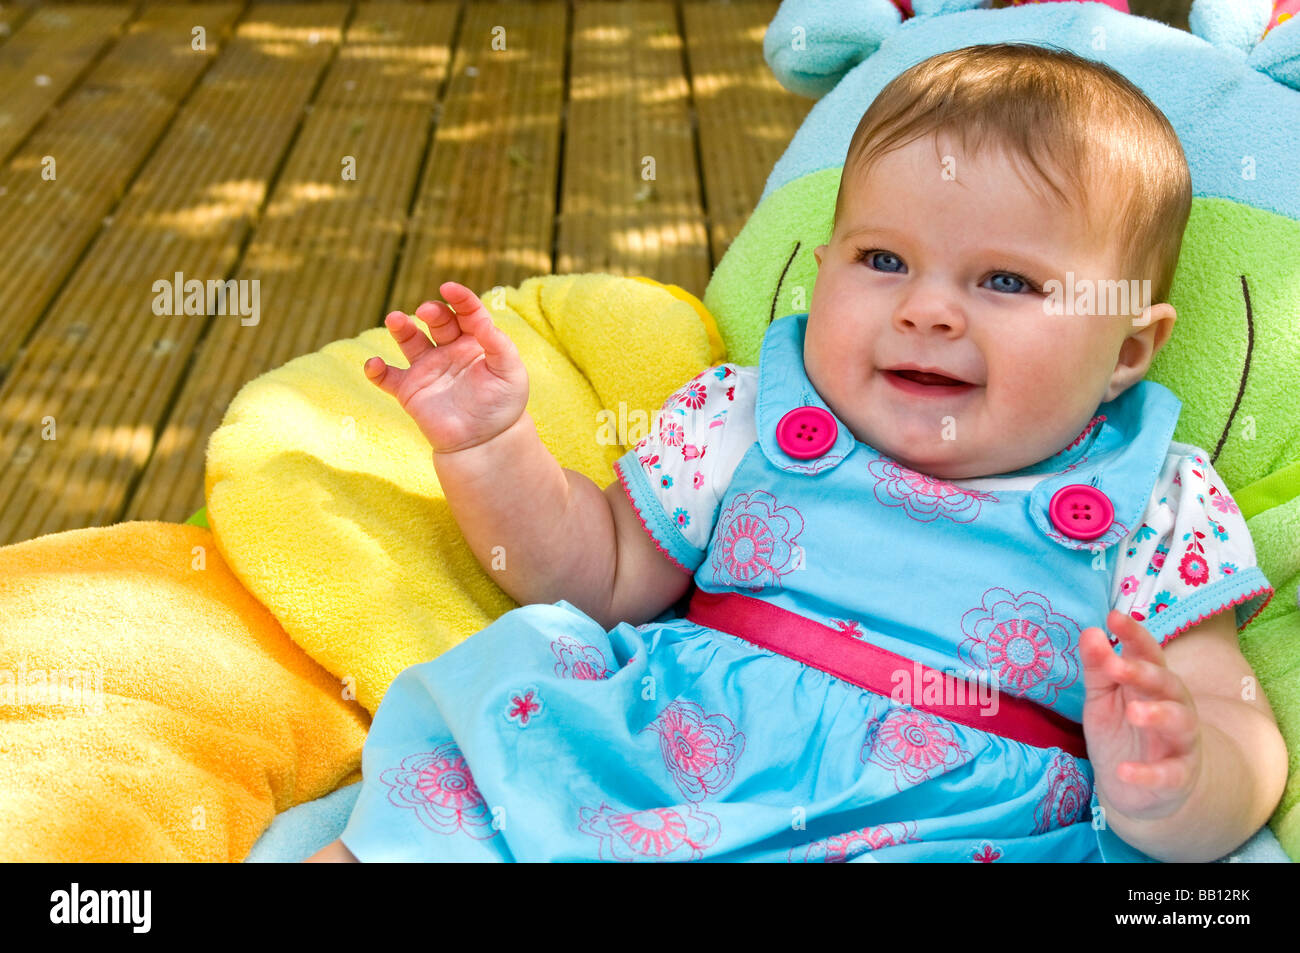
x,y
1084,196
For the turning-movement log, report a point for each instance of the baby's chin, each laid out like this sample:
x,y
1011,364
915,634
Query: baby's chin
x,y
949,462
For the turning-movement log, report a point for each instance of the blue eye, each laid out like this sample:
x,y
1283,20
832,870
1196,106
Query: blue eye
x,y
1014,284
881,260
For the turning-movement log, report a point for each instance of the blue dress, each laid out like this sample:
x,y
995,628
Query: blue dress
x,y
545,737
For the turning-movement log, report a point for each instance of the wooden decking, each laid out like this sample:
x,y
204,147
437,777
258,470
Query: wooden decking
x,y
346,157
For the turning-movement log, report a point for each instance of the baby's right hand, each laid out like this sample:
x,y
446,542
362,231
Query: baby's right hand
x,y
467,390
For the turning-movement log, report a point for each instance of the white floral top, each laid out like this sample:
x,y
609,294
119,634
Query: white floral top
x,y
1191,537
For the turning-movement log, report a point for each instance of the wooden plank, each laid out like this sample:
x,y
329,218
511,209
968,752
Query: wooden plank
x,y
97,140
746,117
108,389
323,253
486,209
43,59
394,53
11,18
631,201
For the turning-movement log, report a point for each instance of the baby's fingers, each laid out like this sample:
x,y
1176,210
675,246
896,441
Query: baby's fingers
x,y
1175,723
1096,653
1155,681
499,352
386,377
413,342
1167,774
1136,640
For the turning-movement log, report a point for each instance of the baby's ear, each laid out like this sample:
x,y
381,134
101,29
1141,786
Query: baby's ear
x,y
1168,317
1163,316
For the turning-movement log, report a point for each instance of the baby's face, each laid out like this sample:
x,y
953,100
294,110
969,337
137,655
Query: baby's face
x,y
949,273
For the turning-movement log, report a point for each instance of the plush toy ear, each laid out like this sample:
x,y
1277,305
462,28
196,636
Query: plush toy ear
x,y
1230,24
1264,31
1278,54
811,44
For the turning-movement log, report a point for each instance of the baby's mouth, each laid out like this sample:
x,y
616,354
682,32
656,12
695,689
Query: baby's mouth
x,y
925,383
923,378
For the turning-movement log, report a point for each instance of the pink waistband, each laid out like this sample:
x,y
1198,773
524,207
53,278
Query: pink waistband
x,y
877,669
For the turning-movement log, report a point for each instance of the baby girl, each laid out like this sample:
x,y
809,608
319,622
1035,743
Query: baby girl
x,y
906,534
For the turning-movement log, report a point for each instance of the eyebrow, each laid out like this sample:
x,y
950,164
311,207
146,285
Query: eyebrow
x,y
1018,259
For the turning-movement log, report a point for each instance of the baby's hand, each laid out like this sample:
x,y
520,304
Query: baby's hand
x,y
469,388
1139,721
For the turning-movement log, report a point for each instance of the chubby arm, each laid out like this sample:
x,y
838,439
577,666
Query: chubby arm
x,y
1243,758
547,533
646,580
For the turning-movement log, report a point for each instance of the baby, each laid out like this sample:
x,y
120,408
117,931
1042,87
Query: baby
x,y
905,529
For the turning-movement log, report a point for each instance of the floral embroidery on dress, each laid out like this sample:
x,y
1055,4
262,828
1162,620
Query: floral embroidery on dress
x,y
1028,647
578,660
841,847
660,834
756,541
923,497
849,627
438,786
912,744
524,705
700,751
986,854
1069,795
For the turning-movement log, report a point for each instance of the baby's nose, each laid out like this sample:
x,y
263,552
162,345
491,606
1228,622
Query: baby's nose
x,y
929,310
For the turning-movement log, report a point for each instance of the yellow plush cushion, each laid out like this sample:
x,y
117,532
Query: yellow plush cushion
x,y
183,718
323,498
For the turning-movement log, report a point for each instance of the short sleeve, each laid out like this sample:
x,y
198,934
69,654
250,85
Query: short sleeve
x,y
1191,557
676,476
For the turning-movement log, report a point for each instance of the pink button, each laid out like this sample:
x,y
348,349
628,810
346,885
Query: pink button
x,y
806,432
1081,511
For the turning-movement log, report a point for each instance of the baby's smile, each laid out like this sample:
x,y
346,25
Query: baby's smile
x,y
928,384
928,333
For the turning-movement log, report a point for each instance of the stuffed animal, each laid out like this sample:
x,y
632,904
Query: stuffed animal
x,y
1231,88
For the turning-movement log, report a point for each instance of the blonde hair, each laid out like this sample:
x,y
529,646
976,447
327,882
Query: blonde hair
x,y
1061,113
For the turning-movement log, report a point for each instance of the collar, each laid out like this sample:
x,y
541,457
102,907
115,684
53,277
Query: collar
x,y
1120,452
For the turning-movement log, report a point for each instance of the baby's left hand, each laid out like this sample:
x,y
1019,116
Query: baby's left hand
x,y
1139,721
